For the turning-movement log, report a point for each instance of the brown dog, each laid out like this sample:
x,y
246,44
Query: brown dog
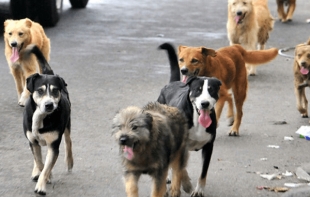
x,y
249,24
228,65
18,34
302,76
286,16
152,139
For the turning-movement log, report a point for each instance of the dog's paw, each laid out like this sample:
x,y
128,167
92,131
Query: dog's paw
x,y
233,133
198,193
175,193
40,190
304,115
230,121
35,178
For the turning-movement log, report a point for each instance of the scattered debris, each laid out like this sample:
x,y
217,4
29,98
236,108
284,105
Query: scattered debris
x,y
287,138
160,35
271,176
276,167
294,184
287,173
263,159
280,122
304,132
302,175
273,146
275,189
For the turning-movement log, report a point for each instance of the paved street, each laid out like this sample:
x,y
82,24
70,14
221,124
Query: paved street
x,y
107,54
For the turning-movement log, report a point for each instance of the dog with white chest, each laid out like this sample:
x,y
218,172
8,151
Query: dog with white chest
x,y
46,120
196,98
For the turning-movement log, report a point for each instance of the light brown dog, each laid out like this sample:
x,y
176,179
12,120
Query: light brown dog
x,y
302,76
153,139
286,16
249,24
18,34
228,65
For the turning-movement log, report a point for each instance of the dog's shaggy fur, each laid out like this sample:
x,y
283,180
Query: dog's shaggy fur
x,y
46,119
151,140
302,76
249,24
286,15
18,34
228,65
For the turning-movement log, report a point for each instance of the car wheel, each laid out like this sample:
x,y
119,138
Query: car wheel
x,y
49,12
23,8
78,3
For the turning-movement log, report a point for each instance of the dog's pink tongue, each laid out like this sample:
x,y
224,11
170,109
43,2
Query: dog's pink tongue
x,y
15,55
184,78
304,71
204,119
237,18
128,153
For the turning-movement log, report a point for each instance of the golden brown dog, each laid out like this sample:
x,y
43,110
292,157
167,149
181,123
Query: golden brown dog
x,y
249,24
228,65
152,139
286,16
18,34
302,76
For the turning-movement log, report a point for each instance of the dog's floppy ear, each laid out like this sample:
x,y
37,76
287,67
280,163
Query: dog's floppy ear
x,y
149,120
190,80
28,22
180,48
207,51
30,81
62,83
218,82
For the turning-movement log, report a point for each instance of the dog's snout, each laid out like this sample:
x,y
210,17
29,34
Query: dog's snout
x,y
239,13
184,71
49,106
13,44
123,139
205,104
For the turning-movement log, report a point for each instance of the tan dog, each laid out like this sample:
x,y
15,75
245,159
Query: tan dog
x,y
228,65
249,24
302,76
18,34
286,16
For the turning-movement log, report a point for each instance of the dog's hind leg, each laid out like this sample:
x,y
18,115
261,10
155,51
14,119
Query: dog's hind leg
x,y
38,164
131,184
230,112
281,13
301,101
290,11
68,148
220,103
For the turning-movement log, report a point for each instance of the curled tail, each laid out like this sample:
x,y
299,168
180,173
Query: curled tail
x,y
173,59
46,69
258,56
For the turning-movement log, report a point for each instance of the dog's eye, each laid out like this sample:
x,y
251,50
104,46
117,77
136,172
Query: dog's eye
x,y
10,33
55,92
194,61
299,55
134,127
181,60
40,91
20,33
308,55
211,89
244,3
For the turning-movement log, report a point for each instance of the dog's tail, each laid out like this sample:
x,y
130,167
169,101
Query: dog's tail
x,y
173,59
46,69
256,57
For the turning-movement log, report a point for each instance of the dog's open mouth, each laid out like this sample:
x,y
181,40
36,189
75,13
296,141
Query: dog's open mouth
x,y
304,70
185,77
239,18
128,151
15,53
204,118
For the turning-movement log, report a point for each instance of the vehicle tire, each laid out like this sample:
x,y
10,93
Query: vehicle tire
x,y
49,12
23,9
78,3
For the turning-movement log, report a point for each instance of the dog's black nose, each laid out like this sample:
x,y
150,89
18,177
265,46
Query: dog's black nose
x,y
184,71
205,104
239,13
304,64
49,107
123,139
13,44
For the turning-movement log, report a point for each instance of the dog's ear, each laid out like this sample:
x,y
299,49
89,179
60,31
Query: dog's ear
x,y
30,81
63,84
190,80
149,121
218,82
180,48
28,22
207,51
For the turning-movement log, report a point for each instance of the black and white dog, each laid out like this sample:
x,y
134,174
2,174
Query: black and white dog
x,y
196,98
46,119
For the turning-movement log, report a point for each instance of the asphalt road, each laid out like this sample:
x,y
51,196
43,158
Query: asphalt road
x,y
107,53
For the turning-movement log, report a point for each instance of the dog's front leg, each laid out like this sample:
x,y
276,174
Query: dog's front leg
x,y
159,183
301,101
290,11
38,164
206,157
281,13
51,157
131,184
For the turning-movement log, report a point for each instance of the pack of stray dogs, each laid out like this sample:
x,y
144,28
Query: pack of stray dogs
x,y
157,137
